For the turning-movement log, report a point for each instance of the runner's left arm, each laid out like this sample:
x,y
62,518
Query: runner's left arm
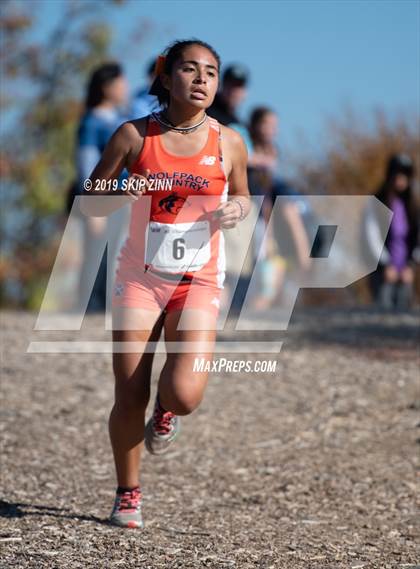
x,y
239,203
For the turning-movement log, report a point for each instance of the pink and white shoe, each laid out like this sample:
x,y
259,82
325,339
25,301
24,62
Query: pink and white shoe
x,y
161,430
127,510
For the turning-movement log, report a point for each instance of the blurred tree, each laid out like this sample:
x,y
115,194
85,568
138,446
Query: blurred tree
x,y
355,153
42,83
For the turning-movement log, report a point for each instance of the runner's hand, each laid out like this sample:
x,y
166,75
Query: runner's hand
x,y
228,214
137,185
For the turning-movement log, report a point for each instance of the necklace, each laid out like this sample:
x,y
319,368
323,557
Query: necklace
x,y
181,130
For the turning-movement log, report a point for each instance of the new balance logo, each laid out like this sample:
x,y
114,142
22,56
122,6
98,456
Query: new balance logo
x,y
208,160
119,289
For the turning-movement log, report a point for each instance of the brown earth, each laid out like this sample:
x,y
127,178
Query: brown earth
x,y
310,467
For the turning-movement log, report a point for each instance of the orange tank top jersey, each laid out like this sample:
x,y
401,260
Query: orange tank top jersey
x,y
172,227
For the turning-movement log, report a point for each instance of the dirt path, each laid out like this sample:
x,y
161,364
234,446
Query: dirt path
x,y
310,467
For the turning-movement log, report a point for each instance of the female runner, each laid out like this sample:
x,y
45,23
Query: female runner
x,y
171,267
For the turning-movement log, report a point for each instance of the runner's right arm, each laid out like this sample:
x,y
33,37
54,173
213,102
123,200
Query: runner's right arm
x,y
117,155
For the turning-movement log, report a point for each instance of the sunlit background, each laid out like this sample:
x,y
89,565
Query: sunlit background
x,y
343,78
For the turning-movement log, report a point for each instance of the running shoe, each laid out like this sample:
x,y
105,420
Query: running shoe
x,y
127,509
161,430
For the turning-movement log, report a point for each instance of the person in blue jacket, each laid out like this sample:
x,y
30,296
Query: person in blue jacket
x,y
107,94
143,102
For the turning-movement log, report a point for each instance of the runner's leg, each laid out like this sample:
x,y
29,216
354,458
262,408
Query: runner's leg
x,y
132,390
180,388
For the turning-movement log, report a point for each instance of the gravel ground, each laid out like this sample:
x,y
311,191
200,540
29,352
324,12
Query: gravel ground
x,y
310,467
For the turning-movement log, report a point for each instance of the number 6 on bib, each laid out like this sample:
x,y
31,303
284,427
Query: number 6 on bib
x,y
177,247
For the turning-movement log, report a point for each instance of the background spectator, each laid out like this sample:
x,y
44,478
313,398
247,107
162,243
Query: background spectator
x,y
107,92
264,180
233,90
143,103
232,93
392,283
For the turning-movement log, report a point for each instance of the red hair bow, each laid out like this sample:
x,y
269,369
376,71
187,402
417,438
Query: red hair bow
x,y
160,64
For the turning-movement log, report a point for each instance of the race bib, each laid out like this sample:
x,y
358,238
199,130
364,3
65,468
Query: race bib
x,y
177,247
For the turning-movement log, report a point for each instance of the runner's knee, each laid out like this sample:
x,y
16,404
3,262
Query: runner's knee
x,y
181,400
185,405
131,397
